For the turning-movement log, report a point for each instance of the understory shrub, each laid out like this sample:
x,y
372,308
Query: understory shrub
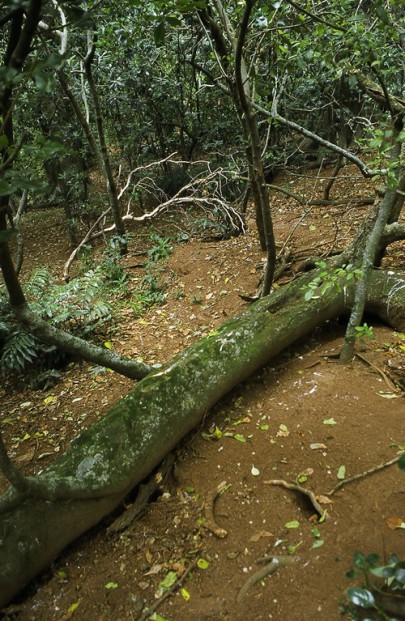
x,y
80,306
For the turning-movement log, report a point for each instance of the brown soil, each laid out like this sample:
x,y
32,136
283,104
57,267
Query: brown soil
x,y
303,415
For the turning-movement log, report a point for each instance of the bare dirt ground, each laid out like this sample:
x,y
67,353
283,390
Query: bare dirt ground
x,y
303,418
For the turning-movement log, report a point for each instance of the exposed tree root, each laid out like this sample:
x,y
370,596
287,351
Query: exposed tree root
x,y
267,570
385,377
209,522
315,499
362,475
302,490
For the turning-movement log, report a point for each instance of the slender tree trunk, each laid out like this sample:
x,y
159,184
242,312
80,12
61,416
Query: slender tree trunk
x,y
371,248
259,186
240,91
109,177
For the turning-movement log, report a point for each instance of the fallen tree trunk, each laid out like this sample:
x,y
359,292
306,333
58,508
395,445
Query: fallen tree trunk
x,y
106,461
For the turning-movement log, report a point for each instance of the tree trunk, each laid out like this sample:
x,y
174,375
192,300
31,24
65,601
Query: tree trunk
x,y
115,454
105,158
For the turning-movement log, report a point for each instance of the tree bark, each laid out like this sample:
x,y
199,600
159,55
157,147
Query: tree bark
x,y
106,461
108,174
369,256
259,188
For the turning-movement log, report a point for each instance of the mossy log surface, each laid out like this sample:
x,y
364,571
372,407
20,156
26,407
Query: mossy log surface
x,y
110,458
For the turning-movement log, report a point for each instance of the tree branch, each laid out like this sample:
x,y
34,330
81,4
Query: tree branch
x,y
77,347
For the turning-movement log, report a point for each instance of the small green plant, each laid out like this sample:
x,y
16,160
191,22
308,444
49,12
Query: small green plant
x,y
215,223
364,332
111,266
382,590
150,291
328,279
179,294
80,306
380,142
161,249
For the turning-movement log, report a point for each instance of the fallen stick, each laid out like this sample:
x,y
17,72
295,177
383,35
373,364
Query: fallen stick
x,y
210,523
267,570
149,611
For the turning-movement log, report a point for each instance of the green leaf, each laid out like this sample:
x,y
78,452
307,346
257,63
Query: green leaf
x,y
111,585
361,597
202,563
317,544
61,574
78,16
168,581
49,148
293,549
387,395
239,437
401,462
329,421
341,473
159,33
50,399
400,575
292,524
6,187
73,606
217,434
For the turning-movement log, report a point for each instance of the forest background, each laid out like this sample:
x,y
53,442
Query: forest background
x,y
197,116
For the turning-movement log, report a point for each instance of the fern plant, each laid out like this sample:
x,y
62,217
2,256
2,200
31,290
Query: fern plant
x,y
19,349
80,306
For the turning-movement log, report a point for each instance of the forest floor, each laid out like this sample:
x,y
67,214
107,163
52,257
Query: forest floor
x,y
302,418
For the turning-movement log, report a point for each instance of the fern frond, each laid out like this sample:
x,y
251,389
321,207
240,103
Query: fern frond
x,y
19,349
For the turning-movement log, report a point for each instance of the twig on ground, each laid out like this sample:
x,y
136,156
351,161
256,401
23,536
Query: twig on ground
x,y
306,492
385,377
267,570
149,611
209,522
362,475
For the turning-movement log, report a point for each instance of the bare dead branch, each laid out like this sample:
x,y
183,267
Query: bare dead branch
x,y
203,191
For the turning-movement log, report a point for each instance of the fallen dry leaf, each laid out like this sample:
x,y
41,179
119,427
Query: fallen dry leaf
x,y
153,570
324,500
260,535
394,522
